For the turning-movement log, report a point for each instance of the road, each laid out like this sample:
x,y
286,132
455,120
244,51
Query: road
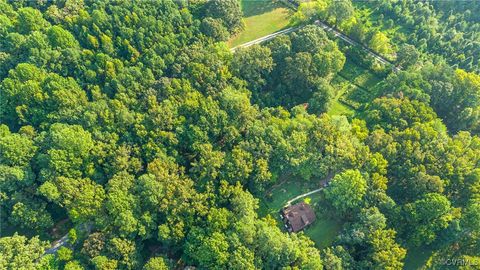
x,y
56,245
324,183
265,38
327,28
303,195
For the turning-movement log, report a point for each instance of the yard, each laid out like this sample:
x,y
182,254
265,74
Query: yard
x,y
417,257
323,231
261,17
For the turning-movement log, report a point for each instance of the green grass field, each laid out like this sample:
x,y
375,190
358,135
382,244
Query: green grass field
x,y
323,231
277,197
417,257
261,17
354,85
359,75
338,107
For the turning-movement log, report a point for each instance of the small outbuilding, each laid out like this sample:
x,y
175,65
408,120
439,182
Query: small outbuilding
x,y
298,216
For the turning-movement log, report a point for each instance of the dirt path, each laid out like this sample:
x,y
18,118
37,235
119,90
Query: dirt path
x,y
323,183
56,245
303,195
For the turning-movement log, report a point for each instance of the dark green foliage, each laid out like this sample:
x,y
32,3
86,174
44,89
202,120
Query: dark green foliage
x,y
228,11
303,65
254,65
213,28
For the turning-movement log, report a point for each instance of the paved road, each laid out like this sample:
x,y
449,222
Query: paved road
x,y
327,29
265,38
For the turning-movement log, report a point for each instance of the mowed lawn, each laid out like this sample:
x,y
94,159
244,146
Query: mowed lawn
x,y
261,17
323,231
417,257
276,198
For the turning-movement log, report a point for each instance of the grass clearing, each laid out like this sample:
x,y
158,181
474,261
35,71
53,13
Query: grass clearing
x,y
323,231
417,257
355,87
276,198
261,17
359,75
337,107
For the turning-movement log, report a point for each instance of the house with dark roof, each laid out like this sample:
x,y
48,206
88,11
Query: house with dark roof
x,y
297,217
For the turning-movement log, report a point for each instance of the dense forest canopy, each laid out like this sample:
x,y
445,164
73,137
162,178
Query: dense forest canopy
x,y
132,127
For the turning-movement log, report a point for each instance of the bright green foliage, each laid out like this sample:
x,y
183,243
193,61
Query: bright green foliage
x,y
386,253
64,254
19,252
16,149
124,251
336,258
48,262
30,20
340,11
104,263
214,28
439,28
380,43
346,192
210,252
390,113
407,55
67,152
303,65
156,263
453,94
31,215
371,242
60,37
73,265
31,96
81,197
426,217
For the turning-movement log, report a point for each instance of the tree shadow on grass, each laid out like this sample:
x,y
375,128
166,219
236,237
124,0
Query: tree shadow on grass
x,y
257,7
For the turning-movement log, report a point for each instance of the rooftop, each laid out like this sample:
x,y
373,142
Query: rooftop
x,y
298,216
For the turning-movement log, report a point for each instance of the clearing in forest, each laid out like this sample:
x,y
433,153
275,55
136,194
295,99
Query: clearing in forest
x,y
261,17
323,231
